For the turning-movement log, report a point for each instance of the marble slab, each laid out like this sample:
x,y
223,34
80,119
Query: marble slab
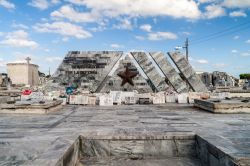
x,y
188,72
224,106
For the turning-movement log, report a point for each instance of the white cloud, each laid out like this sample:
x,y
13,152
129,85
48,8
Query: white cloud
x,y
40,4
7,4
162,36
237,3
47,50
202,61
65,39
206,1
115,46
70,13
18,38
113,8
19,26
124,24
43,4
234,51
248,41
236,37
213,11
245,54
146,27
63,28
140,37
186,33
53,59
220,65
238,14
55,1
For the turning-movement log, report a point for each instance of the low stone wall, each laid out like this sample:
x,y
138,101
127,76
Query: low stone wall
x,y
210,155
31,108
148,148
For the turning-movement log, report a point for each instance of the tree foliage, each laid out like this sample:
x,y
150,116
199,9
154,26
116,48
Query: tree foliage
x,y
245,76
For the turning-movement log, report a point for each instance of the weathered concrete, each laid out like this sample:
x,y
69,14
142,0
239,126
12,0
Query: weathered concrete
x,y
150,70
87,69
224,106
53,138
170,73
28,107
186,69
113,82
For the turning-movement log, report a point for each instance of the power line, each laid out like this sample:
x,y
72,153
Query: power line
x,y
219,35
226,31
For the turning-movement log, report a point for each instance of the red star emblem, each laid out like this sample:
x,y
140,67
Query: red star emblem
x,y
127,76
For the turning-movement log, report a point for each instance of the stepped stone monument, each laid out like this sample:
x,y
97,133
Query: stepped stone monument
x,y
170,73
102,71
150,70
86,69
113,82
188,72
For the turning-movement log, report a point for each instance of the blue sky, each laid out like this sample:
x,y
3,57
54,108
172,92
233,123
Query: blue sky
x,y
46,30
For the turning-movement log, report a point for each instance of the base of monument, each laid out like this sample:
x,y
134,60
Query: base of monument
x,y
167,150
31,108
237,105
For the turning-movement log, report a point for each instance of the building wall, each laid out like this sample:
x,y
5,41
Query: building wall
x,y
33,75
19,74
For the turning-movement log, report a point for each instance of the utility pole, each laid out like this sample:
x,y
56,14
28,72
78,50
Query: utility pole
x,y
186,47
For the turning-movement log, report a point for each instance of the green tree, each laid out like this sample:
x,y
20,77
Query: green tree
x,y
245,76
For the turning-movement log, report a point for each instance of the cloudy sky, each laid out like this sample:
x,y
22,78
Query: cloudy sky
x,y
45,30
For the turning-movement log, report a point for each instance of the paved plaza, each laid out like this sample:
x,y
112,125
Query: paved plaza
x,y
44,139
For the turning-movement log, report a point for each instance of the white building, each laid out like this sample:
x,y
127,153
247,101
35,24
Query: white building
x,y
23,73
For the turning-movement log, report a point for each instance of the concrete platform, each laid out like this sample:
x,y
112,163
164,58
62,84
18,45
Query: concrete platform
x,y
29,107
55,139
236,105
148,162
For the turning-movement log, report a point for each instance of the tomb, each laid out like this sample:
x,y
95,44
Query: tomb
x,y
224,106
31,107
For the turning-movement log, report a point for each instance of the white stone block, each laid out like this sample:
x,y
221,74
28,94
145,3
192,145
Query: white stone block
x,y
83,100
144,95
127,94
182,98
130,100
159,98
106,100
171,98
117,97
73,99
91,100
197,95
219,95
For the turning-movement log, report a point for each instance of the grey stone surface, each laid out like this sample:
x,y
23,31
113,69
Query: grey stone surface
x,y
186,69
31,107
224,106
43,139
170,73
147,162
150,70
113,82
86,69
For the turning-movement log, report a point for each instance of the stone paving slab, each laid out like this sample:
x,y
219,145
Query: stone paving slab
x,y
148,162
43,139
224,106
